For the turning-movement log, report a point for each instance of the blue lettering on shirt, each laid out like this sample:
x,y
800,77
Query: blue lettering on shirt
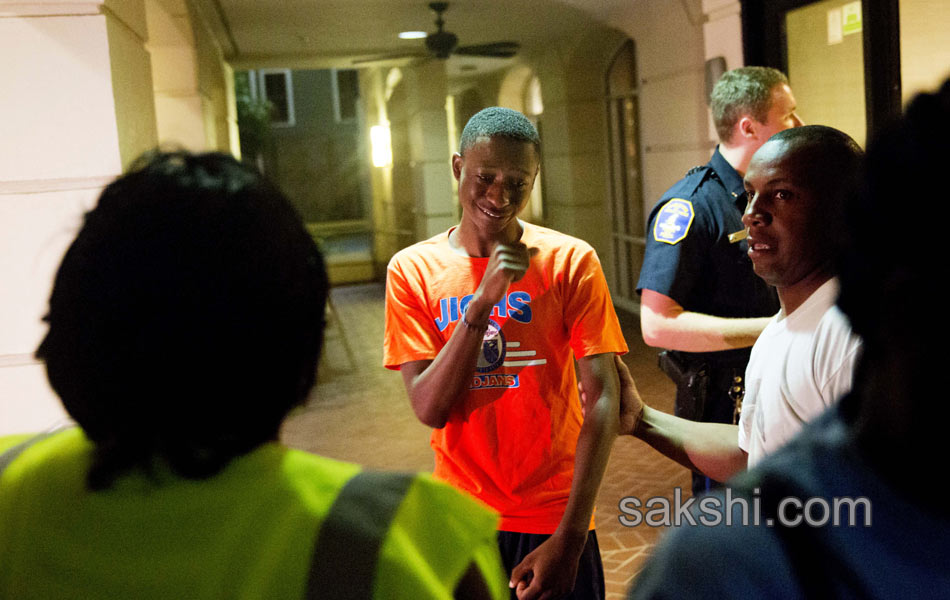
x,y
515,306
518,303
449,312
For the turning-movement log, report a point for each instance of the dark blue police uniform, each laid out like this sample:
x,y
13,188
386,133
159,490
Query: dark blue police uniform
x,y
690,258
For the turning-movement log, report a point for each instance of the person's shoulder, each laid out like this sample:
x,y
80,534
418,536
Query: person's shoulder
x,y
445,530
691,185
320,472
9,441
312,470
834,324
61,438
713,559
442,497
689,199
832,329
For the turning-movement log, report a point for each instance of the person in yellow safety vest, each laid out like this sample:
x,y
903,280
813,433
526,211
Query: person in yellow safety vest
x,y
186,321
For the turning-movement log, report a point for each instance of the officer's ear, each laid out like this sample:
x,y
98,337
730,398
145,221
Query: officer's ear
x,y
747,127
457,165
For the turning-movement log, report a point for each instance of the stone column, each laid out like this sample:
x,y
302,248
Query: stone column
x,y
426,91
77,106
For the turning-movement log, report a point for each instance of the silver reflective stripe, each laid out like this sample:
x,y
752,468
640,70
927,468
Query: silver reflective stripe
x,y
347,548
10,454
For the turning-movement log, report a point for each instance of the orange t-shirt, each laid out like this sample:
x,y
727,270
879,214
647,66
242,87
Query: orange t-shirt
x,y
510,441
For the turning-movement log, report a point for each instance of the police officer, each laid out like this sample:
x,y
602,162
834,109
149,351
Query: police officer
x,y
700,299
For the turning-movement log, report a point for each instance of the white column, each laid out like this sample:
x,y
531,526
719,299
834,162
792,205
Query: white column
x,y
178,105
73,113
428,148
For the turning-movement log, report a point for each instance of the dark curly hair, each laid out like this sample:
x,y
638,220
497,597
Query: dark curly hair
x,y
186,318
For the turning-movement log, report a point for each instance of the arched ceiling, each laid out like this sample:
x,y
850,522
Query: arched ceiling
x,y
334,33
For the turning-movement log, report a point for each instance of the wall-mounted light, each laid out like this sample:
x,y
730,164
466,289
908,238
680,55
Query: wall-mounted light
x,y
381,144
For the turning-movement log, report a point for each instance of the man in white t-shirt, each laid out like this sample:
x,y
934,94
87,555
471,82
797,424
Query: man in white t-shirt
x,y
797,183
801,363
874,448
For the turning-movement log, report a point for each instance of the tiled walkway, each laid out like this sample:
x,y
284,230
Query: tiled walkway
x,y
359,412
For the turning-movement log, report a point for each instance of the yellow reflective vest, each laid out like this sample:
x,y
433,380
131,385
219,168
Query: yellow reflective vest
x,y
275,523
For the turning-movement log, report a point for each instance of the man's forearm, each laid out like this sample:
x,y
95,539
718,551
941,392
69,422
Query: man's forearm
x,y
435,386
666,324
708,448
601,424
697,332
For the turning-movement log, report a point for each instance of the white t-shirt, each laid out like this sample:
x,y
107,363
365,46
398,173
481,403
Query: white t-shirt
x,y
800,365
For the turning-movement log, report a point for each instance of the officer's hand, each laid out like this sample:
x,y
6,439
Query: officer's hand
x,y
508,263
549,571
631,405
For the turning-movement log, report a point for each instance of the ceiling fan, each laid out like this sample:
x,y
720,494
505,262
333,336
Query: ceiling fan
x,y
443,44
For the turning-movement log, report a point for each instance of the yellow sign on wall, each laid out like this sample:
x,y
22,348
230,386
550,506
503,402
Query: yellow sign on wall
x,y
851,18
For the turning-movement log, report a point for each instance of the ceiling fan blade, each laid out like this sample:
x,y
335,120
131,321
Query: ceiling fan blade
x,y
495,49
391,56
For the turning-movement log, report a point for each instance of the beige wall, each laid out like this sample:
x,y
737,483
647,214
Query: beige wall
x,y
131,73
826,74
79,116
175,76
84,108
675,127
925,45
191,84
575,168
215,88
671,51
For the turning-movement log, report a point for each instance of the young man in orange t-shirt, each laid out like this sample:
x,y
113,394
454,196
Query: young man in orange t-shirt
x,y
485,322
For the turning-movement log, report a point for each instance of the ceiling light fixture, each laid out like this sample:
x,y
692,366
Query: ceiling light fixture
x,y
412,35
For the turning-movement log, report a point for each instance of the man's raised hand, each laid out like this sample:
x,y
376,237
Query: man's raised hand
x,y
508,263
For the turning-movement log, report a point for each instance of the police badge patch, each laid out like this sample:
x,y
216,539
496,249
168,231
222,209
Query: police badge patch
x,y
673,221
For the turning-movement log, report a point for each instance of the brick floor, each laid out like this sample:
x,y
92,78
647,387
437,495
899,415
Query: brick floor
x,y
359,412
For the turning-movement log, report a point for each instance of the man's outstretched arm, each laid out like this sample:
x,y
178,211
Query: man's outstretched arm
x,y
666,324
550,570
708,448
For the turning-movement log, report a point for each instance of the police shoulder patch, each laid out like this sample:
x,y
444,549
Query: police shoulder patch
x,y
673,221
